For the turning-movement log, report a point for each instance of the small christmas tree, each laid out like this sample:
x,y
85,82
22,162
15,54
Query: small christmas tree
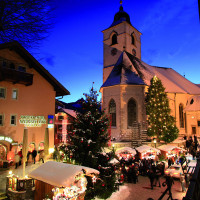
x,y
87,141
161,123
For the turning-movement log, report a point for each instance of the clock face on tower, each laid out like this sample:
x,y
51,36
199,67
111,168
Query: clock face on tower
x,y
113,51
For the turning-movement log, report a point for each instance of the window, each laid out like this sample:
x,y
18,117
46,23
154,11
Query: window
x,y
14,94
4,63
21,69
181,116
13,120
1,120
132,40
112,111
132,112
2,93
59,127
12,66
60,117
114,39
198,122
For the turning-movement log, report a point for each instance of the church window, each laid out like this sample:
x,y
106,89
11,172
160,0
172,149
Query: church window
x,y
112,111
192,101
114,39
181,116
132,40
132,112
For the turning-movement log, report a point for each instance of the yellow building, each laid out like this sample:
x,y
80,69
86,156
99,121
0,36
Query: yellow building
x,y
126,79
27,98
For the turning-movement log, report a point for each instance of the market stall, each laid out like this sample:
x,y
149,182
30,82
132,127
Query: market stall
x,y
147,152
170,150
125,153
57,179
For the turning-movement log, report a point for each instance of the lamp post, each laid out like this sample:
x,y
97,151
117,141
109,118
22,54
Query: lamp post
x,y
154,141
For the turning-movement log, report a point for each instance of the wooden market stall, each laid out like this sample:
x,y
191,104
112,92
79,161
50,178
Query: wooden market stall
x,y
171,150
147,152
55,178
125,153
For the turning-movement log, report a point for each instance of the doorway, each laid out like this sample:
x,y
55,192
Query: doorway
x,y
194,130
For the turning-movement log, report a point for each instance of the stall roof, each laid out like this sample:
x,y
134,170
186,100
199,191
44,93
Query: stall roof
x,y
114,161
59,174
144,148
123,149
168,147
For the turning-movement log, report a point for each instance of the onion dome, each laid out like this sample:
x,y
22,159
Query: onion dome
x,y
120,17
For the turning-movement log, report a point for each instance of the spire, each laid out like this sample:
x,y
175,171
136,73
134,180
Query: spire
x,y
121,2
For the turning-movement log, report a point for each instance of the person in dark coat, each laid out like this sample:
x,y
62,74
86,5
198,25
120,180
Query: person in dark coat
x,y
34,154
20,155
157,177
151,177
169,162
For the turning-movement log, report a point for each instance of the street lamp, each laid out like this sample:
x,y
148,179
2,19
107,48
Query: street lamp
x,y
154,141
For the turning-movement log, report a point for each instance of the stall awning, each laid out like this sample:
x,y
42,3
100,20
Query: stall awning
x,y
168,147
125,149
145,148
59,174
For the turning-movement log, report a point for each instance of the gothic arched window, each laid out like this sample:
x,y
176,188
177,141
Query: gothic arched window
x,y
181,116
114,39
132,112
112,111
132,39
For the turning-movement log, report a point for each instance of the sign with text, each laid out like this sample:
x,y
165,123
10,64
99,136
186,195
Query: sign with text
x,y
32,121
7,139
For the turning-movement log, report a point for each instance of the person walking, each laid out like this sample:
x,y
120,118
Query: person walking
x,y
34,154
41,155
151,177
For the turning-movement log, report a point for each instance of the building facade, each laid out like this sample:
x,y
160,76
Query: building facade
x,y
126,79
27,99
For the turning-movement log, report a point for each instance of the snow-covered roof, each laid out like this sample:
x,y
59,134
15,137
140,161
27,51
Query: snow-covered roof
x,y
130,70
114,161
70,112
193,104
124,149
59,174
168,147
145,148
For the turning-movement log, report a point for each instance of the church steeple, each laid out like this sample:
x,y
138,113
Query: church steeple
x,y
120,36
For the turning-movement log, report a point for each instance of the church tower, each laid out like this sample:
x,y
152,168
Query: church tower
x,y
120,36
123,88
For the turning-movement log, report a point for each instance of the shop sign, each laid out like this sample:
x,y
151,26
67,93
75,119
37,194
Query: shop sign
x,y
7,139
32,121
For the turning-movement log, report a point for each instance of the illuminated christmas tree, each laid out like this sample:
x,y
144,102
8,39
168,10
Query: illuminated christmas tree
x,y
160,123
89,137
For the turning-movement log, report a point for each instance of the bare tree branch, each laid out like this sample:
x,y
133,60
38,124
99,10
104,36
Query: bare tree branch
x,y
26,21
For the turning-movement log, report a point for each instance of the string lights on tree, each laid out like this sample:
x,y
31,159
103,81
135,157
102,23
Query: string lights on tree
x,y
161,123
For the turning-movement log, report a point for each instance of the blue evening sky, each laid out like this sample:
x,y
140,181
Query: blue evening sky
x,y
73,53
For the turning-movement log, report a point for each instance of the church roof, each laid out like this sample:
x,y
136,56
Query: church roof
x,y
121,16
122,75
132,71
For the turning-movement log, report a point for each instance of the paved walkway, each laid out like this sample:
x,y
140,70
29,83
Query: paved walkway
x,y
129,191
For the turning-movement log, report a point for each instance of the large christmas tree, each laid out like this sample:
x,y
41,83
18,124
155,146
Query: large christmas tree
x,y
161,123
87,141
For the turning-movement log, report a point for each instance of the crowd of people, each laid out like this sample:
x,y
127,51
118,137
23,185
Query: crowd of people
x,y
19,157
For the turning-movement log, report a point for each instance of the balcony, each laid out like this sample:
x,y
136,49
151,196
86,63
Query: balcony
x,y
15,76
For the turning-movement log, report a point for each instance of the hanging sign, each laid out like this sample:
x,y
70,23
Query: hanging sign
x,y
32,121
7,139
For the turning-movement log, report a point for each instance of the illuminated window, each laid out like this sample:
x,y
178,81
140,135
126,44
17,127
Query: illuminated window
x,y
181,116
13,120
2,93
14,94
1,120
132,112
21,69
114,39
112,111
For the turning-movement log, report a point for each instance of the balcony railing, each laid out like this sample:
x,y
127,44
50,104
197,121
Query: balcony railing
x,y
15,76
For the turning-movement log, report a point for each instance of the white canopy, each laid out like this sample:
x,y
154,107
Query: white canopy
x,y
114,161
124,149
145,148
169,147
59,174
